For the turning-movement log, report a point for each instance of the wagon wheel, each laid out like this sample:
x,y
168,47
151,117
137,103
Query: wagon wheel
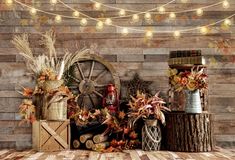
x,y
88,78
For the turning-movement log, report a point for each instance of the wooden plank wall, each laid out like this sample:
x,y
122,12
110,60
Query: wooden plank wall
x,y
129,54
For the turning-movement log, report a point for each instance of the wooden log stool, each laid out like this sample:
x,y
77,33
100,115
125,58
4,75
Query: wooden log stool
x,y
189,132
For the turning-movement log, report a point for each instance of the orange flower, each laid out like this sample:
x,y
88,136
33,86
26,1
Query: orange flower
x,y
28,92
184,81
177,79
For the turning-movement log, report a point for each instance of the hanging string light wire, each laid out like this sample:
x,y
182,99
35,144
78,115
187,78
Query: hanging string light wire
x,y
128,15
129,28
133,11
153,9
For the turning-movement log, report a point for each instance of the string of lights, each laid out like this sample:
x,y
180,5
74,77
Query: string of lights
x,y
98,5
125,30
160,9
147,14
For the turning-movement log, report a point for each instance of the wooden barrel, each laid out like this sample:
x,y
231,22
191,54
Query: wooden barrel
x,y
189,132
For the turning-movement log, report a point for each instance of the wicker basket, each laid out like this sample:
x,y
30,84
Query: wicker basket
x,y
151,135
51,85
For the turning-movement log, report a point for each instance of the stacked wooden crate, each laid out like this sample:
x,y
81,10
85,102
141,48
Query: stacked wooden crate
x,y
51,135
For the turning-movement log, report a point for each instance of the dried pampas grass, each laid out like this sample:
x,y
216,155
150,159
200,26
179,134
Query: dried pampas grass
x,y
50,58
22,44
71,58
48,39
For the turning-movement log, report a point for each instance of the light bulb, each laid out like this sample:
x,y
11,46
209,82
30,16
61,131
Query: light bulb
x,y
97,5
149,34
125,31
9,2
161,10
225,4
147,16
199,12
99,25
53,2
204,30
108,21
227,22
33,11
122,12
172,15
83,22
177,34
58,18
76,14
184,1
135,18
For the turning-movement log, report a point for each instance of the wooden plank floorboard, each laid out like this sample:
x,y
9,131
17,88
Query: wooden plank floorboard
x,y
222,154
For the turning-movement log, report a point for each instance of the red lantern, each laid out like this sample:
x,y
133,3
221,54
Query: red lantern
x,y
110,99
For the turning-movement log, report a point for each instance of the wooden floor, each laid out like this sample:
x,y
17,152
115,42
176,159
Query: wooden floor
x,y
125,155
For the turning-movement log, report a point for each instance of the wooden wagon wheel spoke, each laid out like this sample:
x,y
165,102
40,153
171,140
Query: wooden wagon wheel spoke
x,y
81,97
74,79
92,102
98,93
100,85
100,75
92,68
80,70
73,87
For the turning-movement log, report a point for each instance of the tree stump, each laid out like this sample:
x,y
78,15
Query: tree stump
x,y
189,132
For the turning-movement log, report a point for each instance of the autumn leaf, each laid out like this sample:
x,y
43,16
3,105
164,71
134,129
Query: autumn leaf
x,y
121,115
28,92
133,135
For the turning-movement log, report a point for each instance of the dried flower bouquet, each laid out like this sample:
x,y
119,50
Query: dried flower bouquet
x,y
146,107
191,80
47,68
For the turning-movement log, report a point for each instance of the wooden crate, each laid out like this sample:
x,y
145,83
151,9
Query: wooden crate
x,y
51,135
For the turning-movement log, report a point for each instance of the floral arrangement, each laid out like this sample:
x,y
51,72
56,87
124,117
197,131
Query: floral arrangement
x,y
48,70
146,107
27,110
191,80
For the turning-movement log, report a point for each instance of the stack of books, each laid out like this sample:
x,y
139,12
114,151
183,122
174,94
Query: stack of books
x,y
186,57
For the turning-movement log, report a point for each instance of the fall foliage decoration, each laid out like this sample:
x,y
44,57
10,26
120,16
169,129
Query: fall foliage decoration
x,y
191,80
146,107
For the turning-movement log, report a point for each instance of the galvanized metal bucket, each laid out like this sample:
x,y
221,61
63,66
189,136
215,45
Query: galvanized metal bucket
x,y
193,101
57,111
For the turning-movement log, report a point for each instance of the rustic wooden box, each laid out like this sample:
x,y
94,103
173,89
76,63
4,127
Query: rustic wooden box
x,y
51,135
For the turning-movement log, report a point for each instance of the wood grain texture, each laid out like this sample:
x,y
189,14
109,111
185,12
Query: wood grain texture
x,y
126,155
128,54
189,132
